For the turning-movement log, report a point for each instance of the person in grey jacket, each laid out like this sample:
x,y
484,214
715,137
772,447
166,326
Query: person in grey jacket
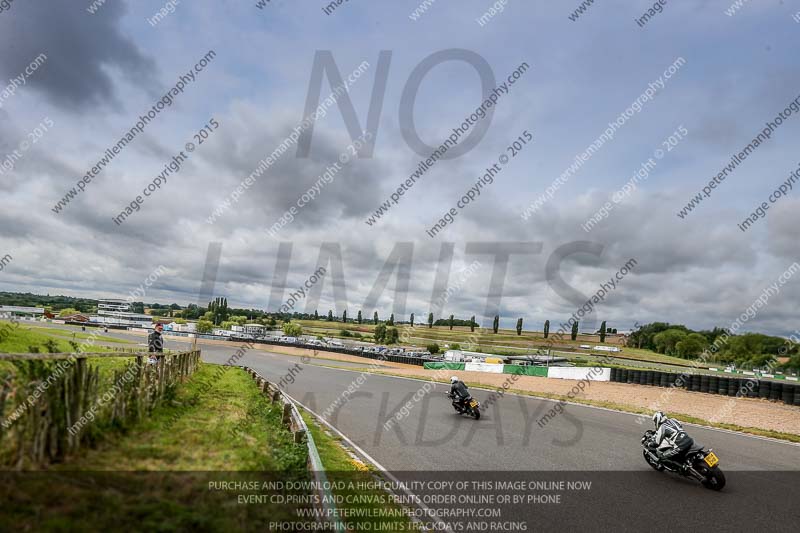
x,y
155,342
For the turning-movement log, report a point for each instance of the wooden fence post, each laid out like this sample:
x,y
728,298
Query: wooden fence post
x,y
287,414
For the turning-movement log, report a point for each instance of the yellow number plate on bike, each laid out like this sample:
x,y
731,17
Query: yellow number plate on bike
x,y
711,459
473,403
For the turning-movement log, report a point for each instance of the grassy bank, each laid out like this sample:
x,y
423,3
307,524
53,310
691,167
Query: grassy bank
x,y
169,472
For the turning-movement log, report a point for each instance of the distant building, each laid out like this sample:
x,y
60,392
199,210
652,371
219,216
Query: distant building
x,y
11,311
117,312
255,329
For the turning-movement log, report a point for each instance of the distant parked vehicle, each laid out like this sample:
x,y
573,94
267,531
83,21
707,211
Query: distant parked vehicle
x,y
607,349
455,356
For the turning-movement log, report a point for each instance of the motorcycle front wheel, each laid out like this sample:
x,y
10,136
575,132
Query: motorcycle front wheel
x,y
656,466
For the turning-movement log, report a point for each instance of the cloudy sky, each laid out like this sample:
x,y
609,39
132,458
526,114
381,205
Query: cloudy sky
x,y
103,70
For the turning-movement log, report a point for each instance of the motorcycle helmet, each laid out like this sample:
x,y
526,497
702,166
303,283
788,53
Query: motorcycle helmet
x,y
658,419
453,379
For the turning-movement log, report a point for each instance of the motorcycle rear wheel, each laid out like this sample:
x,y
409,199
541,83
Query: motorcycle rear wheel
x,y
715,479
476,414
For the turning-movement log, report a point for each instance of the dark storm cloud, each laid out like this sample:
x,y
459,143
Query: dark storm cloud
x,y
82,50
252,134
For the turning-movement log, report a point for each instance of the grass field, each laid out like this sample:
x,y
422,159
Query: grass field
x,y
505,342
166,473
78,335
21,339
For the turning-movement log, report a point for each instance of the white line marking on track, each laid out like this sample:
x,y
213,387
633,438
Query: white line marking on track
x,y
368,457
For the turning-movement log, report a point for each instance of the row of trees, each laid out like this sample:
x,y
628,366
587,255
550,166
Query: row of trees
x,y
745,350
451,321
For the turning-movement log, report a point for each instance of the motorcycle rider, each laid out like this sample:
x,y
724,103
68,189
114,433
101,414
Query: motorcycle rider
x,y
670,440
459,391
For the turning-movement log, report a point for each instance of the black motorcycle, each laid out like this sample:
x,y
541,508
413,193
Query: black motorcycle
x,y
698,463
469,406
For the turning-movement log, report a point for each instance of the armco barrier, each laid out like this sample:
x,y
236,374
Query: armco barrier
x,y
295,423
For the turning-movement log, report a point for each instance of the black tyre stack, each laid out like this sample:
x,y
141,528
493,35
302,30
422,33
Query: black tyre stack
x,y
796,395
764,388
704,381
722,386
632,376
713,384
734,385
788,394
752,386
775,390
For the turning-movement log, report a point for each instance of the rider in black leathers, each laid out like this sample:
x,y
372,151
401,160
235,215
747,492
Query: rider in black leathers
x,y
459,391
670,440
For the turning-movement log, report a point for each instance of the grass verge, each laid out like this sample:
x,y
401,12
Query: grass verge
x,y
182,469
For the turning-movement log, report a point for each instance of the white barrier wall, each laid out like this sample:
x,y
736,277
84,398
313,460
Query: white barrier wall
x,y
579,373
484,367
